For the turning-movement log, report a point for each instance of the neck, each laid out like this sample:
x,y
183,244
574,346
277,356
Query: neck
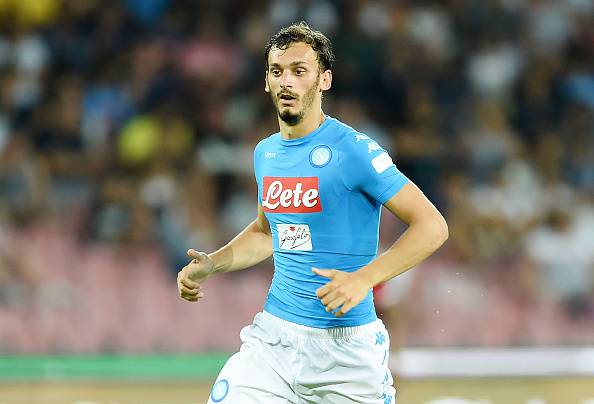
x,y
308,124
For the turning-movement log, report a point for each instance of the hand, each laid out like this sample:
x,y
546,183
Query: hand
x,y
346,289
191,276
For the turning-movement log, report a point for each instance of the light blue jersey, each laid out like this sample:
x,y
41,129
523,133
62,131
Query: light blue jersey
x,y
322,195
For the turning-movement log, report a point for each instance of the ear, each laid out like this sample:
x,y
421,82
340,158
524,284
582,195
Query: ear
x,y
326,80
266,86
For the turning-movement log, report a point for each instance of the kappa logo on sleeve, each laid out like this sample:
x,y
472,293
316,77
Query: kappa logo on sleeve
x,y
373,146
291,195
360,136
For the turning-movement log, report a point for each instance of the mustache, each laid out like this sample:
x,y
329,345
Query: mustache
x,y
287,93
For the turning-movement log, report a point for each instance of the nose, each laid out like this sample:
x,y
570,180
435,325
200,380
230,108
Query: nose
x,y
286,80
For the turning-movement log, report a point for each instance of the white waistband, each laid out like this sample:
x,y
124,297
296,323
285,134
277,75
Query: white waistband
x,y
265,318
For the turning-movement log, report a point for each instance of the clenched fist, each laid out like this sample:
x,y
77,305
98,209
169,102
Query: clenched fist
x,y
191,276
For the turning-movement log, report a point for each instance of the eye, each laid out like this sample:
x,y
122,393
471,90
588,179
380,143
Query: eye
x,y
275,72
300,72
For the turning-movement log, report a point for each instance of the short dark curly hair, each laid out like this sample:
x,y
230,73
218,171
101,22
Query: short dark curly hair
x,y
301,32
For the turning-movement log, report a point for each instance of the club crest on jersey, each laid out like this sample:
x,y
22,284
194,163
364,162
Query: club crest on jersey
x,y
291,195
320,156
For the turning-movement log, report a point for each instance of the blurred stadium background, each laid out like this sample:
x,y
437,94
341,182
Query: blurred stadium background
x,y
126,133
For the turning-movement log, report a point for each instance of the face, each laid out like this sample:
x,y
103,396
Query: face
x,y
294,81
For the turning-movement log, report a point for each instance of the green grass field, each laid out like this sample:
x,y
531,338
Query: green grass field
x,y
186,379
562,390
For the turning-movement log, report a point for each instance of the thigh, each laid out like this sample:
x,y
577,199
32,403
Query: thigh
x,y
348,371
251,375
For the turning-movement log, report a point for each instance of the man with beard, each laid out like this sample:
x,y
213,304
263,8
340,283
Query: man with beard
x,y
321,186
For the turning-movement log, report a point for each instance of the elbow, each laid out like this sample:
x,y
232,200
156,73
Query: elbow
x,y
439,231
445,232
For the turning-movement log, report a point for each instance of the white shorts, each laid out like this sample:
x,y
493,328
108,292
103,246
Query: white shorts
x,y
283,362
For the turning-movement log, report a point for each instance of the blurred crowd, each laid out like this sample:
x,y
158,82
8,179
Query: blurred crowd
x,y
126,136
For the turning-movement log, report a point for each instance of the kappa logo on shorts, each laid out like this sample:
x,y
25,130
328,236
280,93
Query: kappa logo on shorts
x,y
380,338
291,195
219,391
296,237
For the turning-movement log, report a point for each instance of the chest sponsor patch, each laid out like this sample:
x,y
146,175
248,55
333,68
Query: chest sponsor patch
x,y
295,237
291,195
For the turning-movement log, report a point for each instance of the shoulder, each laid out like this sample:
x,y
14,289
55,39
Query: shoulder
x,y
347,139
361,153
340,128
353,143
266,143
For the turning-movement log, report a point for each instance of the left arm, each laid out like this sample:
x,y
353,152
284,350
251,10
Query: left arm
x,y
427,231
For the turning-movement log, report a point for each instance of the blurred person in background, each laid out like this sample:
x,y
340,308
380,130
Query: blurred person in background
x,y
321,186
119,137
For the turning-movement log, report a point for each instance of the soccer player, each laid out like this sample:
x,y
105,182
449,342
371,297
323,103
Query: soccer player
x,y
321,186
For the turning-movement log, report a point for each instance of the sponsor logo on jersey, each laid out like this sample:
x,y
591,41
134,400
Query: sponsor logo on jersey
x,y
382,162
269,155
291,195
320,156
296,237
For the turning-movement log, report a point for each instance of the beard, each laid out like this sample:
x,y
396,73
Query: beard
x,y
292,118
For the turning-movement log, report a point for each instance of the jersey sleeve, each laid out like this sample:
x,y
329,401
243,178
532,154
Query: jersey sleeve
x,y
367,167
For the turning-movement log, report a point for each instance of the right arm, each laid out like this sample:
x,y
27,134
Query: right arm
x,y
248,248
251,246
